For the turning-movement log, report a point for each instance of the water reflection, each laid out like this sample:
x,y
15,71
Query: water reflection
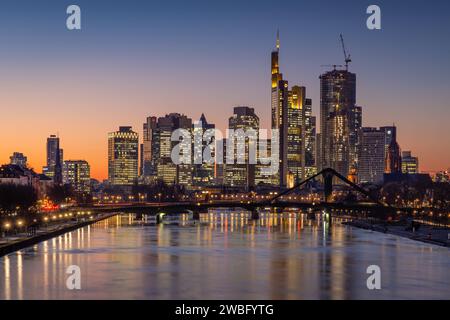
x,y
226,254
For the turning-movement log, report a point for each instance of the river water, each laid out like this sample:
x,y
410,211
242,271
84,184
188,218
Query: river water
x,y
226,255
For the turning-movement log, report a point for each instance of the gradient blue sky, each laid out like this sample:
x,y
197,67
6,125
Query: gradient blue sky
x,y
138,58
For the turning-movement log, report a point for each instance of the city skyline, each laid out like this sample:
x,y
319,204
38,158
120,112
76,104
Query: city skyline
x,y
255,150
240,78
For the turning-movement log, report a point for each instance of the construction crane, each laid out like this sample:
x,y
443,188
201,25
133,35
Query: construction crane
x,y
346,56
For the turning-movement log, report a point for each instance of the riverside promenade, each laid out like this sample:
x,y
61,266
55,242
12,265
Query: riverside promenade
x,y
19,241
422,232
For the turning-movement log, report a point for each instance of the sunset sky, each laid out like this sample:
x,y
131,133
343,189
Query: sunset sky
x,y
133,59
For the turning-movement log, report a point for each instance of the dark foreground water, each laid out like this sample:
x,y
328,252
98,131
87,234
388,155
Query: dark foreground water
x,y
226,256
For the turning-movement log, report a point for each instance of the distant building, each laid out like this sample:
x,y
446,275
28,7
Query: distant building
x,y
309,138
422,178
261,177
53,169
295,143
241,175
141,160
45,185
372,155
16,174
292,117
123,149
23,176
442,176
393,159
340,121
204,173
162,145
149,148
318,152
410,164
279,111
390,133
19,159
77,174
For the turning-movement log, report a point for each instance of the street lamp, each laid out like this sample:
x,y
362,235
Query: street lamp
x,y
6,226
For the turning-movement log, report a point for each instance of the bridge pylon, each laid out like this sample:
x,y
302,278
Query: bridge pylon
x,y
327,185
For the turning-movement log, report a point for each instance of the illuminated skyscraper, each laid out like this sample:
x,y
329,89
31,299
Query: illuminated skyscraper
x,y
204,173
319,151
390,133
291,115
166,169
53,169
372,155
148,148
236,174
262,178
340,120
77,174
410,164
393,159
123,149
279,106
355,124
295,135
309,138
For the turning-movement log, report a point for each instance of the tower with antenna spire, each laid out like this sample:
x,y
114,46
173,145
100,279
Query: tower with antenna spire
x,y
278,40
292,118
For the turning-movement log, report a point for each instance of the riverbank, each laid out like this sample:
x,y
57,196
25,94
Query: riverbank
x,y
424,233
20,241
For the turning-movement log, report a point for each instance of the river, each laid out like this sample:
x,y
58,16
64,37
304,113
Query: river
x,y
226,255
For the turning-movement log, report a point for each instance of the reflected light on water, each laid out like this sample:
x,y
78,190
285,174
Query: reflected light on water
x,y
226,255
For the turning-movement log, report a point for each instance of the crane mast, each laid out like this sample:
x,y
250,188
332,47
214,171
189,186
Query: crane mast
x,y
346,56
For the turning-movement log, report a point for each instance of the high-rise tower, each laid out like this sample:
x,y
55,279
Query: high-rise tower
x,y
372,154
204,173
295,143
53,169
123,146
241,175
279,106
148,159
393,160
340,120
292,117
166,169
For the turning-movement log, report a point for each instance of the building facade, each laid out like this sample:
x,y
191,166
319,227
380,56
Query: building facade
x,y
166,169
295,144
292,116
279,111
393,160
18,159
410,164
309,138
123,150
149,147
372,155
77,174
241,175
205,172
340,121
53,169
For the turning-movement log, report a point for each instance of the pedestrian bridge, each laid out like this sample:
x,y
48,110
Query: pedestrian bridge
x,y
370,207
